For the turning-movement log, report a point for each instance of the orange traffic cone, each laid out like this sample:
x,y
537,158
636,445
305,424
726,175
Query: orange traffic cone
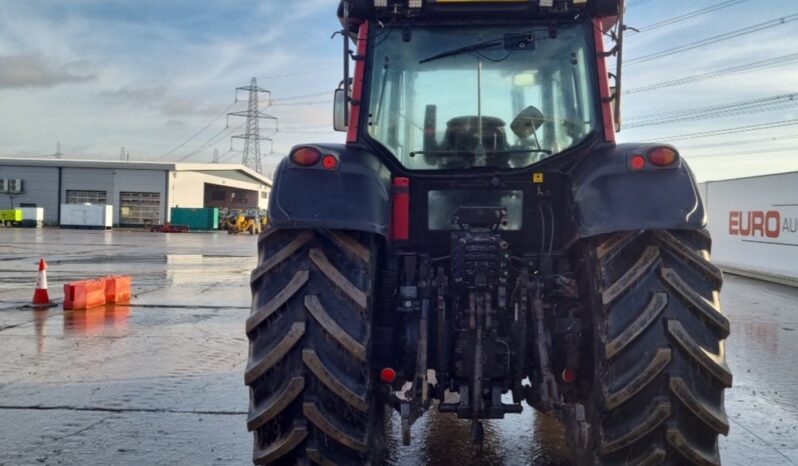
x,y
41,297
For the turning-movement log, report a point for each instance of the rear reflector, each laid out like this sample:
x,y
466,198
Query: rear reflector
x,y
388,375
306,156
662,156
401,208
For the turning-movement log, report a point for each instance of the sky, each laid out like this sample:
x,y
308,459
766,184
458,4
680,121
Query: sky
x,y
158,78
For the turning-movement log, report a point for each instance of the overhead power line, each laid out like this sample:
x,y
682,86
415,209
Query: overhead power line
x,y
305,73
735,130
690,15
300,104
293,127
308,131
636,3
197,133
303,96
742,107
743,142
757,65
749,152
213,140
714,39
229,154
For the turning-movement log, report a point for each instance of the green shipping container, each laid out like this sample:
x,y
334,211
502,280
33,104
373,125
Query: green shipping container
x,y
196,219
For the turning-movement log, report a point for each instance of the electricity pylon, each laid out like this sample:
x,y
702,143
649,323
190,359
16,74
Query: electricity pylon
x,y
251,155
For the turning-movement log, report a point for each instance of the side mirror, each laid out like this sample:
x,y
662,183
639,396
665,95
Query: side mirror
x,y
339,111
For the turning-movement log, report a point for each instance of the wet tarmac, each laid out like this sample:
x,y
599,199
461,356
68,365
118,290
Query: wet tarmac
x,y
160,381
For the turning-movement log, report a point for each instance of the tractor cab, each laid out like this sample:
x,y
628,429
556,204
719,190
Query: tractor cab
x,y
447,85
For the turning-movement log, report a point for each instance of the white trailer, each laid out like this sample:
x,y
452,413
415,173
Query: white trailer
x,y
754,225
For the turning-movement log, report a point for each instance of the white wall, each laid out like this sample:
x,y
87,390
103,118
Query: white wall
x,y
186,189
41,188
754,224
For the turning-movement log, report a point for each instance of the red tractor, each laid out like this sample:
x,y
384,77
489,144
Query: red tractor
x,y
482,241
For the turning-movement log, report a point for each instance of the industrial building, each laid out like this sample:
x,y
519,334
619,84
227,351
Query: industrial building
x,y
140,193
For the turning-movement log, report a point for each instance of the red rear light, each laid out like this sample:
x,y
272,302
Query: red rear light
x,y
388,375
637,162
306,156
663,156
330,162
568,375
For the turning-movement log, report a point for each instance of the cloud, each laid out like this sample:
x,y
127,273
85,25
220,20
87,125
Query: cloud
x,y
160,99
177,124
26,71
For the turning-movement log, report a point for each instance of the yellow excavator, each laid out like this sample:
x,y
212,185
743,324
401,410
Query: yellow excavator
x,y
241,221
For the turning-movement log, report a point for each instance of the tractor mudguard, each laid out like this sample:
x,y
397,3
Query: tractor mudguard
x,y
352,196
609,196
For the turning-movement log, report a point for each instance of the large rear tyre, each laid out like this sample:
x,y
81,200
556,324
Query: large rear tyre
x,y
311,393
659,363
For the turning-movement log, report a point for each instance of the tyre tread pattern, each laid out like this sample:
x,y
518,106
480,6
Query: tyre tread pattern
x,y
310,388
631,276
324,422
707,309
337,278
264,312
715,418
273,407
641,323
714,364
691,452
661,362
656,365
657,416
311,359
316,309
280,448
258,367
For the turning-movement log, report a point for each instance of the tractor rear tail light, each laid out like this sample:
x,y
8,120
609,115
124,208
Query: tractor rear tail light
x,y
662,156
306,156
330,162
637,162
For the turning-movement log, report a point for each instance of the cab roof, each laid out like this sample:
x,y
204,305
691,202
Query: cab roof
x,y
458,10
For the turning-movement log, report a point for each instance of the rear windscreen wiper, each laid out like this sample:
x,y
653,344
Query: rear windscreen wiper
x,y
510,42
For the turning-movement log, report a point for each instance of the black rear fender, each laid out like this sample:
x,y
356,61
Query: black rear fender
x,y
609,196
353,196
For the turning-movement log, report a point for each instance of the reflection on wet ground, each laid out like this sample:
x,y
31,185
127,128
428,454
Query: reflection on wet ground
x,y
97,320
442,439
161,380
